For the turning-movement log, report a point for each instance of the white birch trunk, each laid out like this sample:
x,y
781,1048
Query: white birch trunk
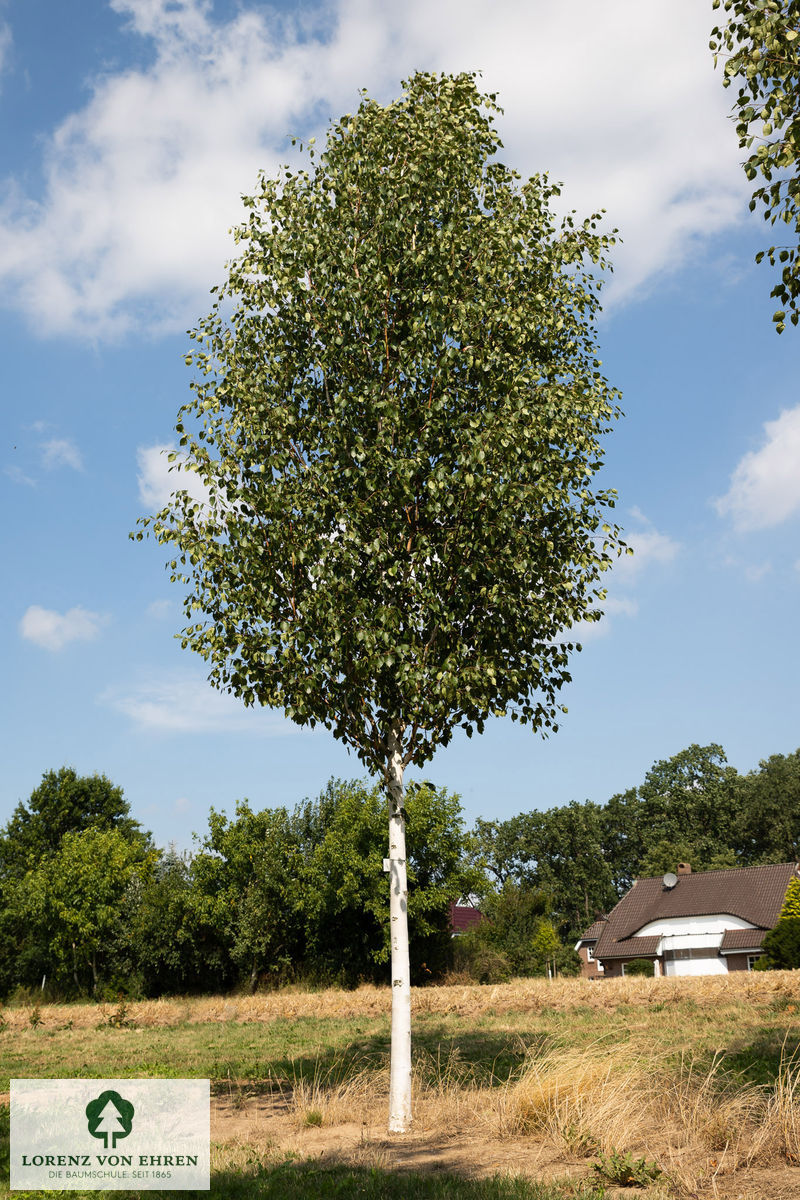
x,y
400,1068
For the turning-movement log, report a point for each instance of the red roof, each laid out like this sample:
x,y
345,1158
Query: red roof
x,y
463,917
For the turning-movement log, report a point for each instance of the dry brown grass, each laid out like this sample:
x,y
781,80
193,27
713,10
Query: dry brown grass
x,y
583,1101
531,995
339,1094
700,1124
446,1094
619,1065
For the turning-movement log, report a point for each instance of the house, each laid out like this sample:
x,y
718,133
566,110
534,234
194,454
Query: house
x,y
689,923
590,967
463,917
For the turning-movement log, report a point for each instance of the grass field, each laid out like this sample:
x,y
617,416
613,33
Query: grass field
x,y
536,1090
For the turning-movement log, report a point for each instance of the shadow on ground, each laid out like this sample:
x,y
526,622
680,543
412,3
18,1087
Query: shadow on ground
x,y
485,1058
307,1179
762,1057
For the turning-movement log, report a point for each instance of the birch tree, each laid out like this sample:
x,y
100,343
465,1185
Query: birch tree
x,y
760,47
397,415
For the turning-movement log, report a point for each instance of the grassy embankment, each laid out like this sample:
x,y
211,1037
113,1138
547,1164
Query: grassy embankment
x,y
529,1079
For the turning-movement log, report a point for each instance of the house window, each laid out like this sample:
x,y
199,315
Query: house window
x,y
687,954
590,953
752,959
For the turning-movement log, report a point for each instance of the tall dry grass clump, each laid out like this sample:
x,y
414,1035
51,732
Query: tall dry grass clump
x,y
599,1098
783,1109
446,1093
610,1098
694,1121
340,1093
710,1109
740,1124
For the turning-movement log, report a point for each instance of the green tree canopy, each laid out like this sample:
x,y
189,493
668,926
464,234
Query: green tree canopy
x,y
769,800
761,42
344,891
571,866
687,809
515,937
398,419
303,894
164,941
64,802
504,850
791,901
71,902
692,794
624,840
781,947
663,856
560,852
247,887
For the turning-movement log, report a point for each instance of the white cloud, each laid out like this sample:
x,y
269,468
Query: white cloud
x,y
649,547
130,228
603,96
186,703
185,20
53,630
17,475
159,609
159,478
5,44
61,452
589,631
765,487
756,571
620,606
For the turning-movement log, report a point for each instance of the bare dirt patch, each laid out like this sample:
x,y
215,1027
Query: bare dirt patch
x,y
269,1128
269,1123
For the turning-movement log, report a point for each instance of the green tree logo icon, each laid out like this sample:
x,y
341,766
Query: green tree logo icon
x,y
109,1116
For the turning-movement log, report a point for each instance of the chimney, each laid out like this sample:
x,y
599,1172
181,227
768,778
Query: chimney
x,y
684,868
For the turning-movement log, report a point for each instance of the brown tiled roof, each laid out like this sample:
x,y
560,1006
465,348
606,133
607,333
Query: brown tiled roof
x,y
753,893
635,947
593,932
741,939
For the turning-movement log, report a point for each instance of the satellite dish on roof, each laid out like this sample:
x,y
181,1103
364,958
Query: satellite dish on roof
x,y
669,880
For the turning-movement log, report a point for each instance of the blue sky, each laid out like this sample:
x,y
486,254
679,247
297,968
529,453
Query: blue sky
x,y
130,129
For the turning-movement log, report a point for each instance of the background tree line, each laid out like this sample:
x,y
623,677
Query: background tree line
x,y
89,905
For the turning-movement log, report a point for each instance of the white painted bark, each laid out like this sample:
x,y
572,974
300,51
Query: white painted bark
x,y
400,1069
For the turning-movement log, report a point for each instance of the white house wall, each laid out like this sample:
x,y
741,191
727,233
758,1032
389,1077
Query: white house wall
x,y
697,966
693,933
